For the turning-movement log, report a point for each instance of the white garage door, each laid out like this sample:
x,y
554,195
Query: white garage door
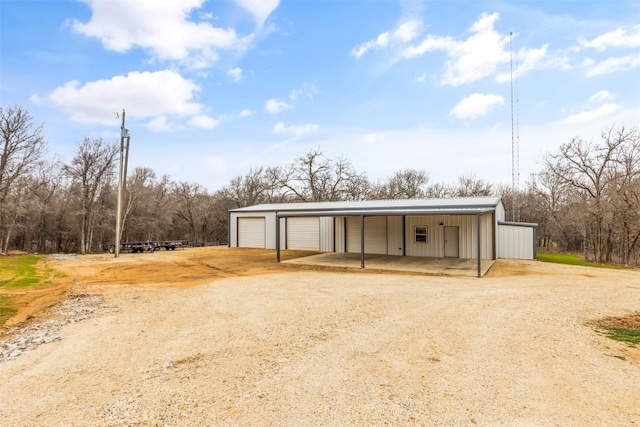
x,y
251,232
375,234
303,233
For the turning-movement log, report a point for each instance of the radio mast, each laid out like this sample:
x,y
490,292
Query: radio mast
x,y
515,140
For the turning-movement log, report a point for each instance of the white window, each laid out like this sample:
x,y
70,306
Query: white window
x,y
421,234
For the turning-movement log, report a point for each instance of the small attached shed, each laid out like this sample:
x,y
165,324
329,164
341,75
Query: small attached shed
x,y
471,228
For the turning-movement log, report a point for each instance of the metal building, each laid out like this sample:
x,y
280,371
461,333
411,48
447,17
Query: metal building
x,y
472,228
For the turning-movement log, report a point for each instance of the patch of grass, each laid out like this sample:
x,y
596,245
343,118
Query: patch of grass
x,y
629,336
6,313
19,271
572,259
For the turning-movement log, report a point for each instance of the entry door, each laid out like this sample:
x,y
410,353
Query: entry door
x,y
451,242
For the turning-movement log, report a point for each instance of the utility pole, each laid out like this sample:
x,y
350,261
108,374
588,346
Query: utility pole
x,y
122,181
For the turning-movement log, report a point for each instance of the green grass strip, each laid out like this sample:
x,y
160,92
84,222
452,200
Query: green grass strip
x,y
572,259
19,272
624,335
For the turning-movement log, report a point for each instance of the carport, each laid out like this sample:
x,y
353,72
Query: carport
x,y
430,266
478,212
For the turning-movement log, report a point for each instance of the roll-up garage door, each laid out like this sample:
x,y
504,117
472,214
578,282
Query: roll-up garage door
x,y
251,232
303,233
375,234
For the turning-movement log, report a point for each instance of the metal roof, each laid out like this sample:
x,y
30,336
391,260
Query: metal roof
x,y
460,206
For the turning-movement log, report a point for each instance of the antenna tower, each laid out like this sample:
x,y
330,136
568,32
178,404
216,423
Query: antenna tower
x,y
515,140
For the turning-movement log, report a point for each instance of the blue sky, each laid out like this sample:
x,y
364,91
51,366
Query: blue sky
x,y
212,88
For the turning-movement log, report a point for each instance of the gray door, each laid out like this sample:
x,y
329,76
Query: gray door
x,y
451,242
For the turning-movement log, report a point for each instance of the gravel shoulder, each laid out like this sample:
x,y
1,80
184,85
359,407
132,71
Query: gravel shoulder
x,y
328,348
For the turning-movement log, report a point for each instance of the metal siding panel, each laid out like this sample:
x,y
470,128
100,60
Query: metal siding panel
x,y
487,236
515,242
339,234
283,233
303,233
435,237
353,234
467,244
326,234
270,230
251,232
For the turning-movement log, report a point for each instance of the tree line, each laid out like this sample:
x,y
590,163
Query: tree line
x,y
586,197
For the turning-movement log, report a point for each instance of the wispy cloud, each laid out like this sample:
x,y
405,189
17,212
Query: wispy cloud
x,y
403,33
616,38
295,130
603,95
611,65
203,121
591,116
235,74
476,105
260,9
306,90
275,106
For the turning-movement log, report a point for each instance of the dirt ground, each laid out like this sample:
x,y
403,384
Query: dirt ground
x,y
219,336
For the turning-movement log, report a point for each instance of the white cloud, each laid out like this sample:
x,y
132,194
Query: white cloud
x,y
160,124
162,26
526,60
612,65
591,116
235,74
476,57
203,121
143,95
246,113
601,96
308,90
616,38
275,106
404,33
260,9
479,55
476,105
375,137
294,130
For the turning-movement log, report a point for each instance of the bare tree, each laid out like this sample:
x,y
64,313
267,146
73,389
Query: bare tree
x,y
91,169
403,184
594,171
471,186
314,178
22,148
192,206
251,189
47,186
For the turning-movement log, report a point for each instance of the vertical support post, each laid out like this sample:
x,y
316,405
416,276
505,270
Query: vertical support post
x,y
361,241
479,248
120,182
229,229
277,237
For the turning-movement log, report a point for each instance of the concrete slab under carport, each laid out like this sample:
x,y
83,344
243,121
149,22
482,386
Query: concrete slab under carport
x,y
425,265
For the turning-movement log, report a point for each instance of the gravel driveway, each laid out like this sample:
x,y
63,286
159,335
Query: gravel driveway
x,y
339,348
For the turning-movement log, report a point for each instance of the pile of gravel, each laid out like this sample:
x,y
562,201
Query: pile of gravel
x,y
75,308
